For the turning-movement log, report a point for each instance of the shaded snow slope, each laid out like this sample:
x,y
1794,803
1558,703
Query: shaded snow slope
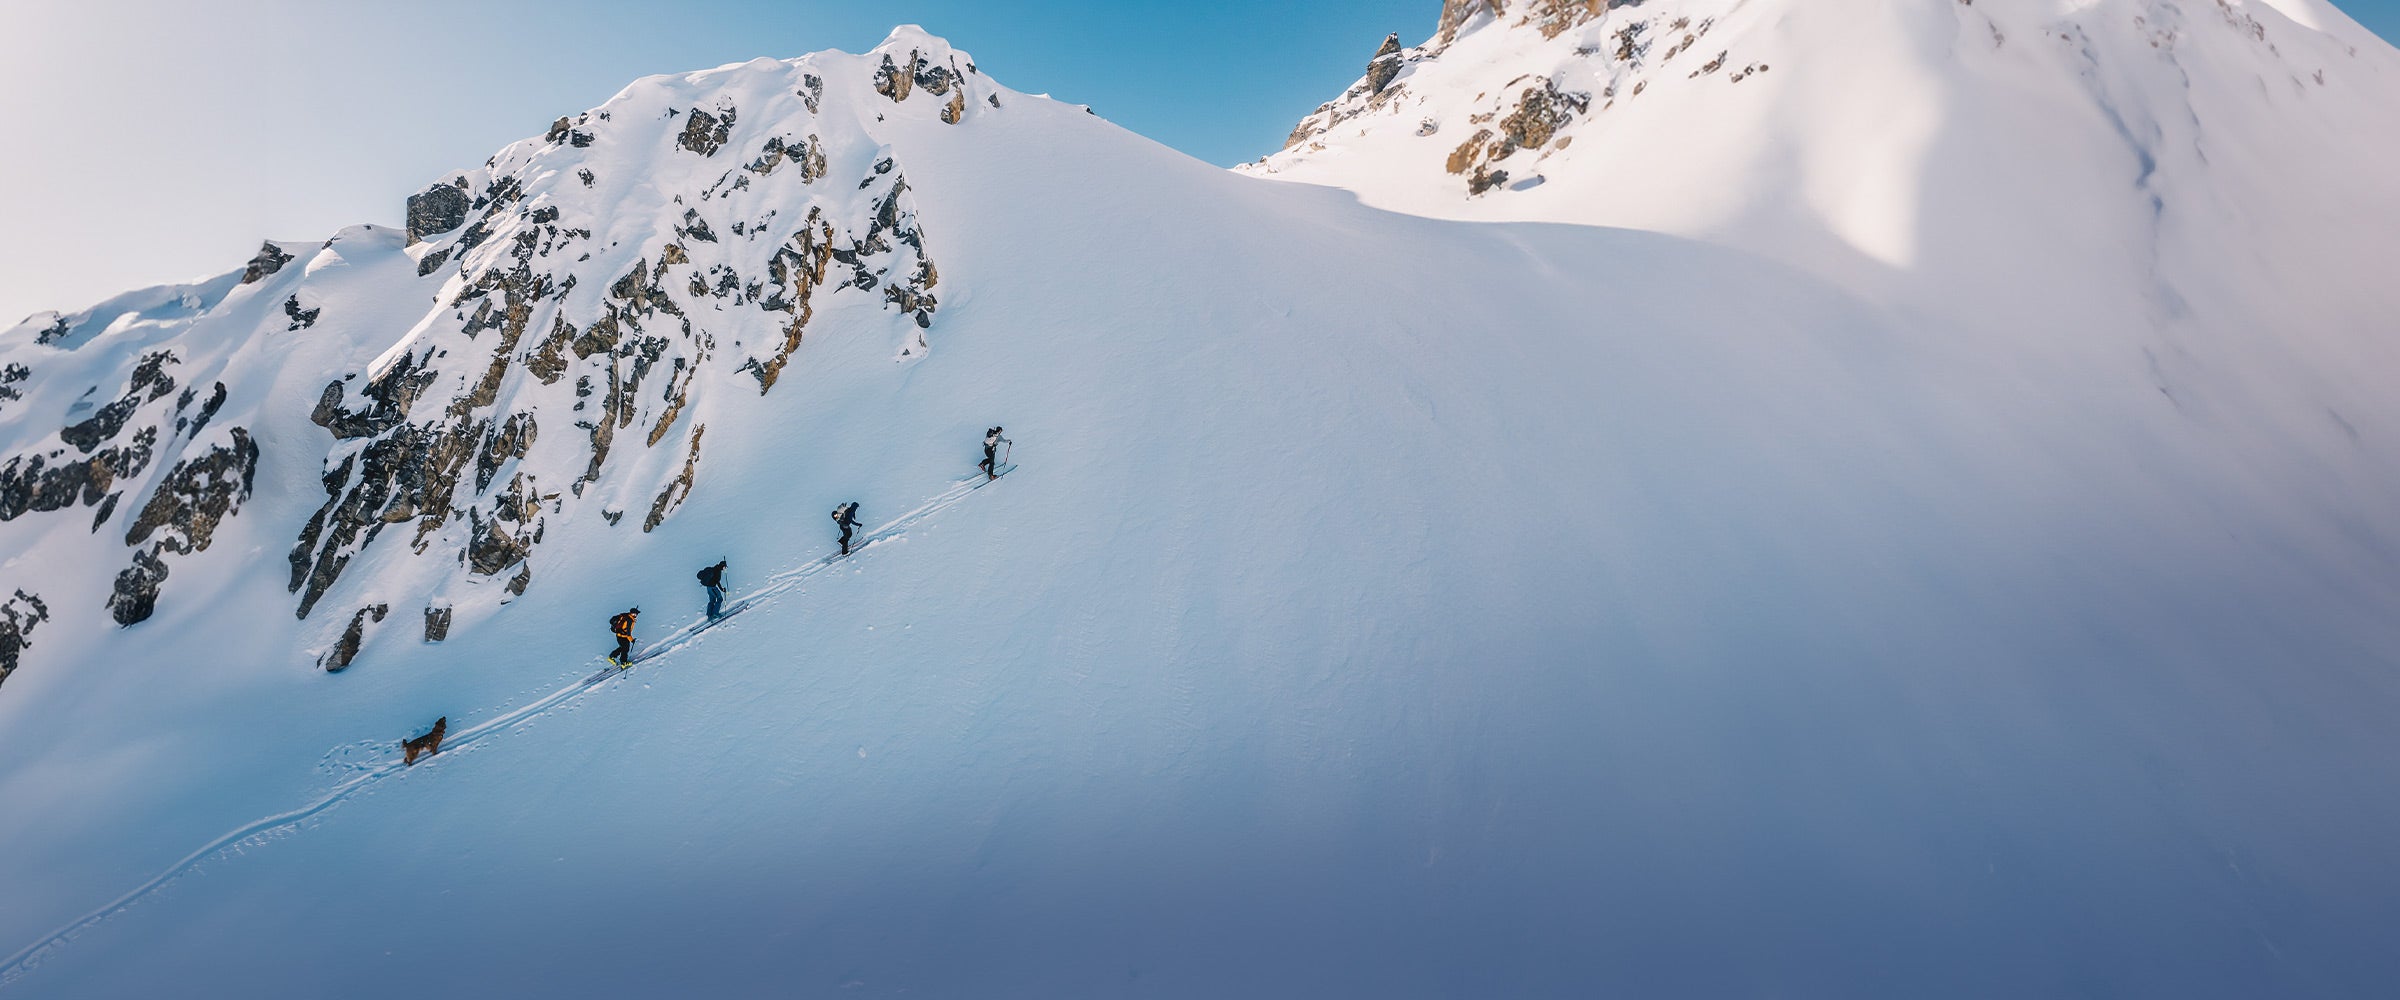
x,y
1383,605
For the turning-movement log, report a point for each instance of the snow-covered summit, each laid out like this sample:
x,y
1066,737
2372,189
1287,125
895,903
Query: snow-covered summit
x,y
1953,148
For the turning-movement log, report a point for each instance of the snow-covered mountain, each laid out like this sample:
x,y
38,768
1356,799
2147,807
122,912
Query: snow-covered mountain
x,y
2168,178
1512,594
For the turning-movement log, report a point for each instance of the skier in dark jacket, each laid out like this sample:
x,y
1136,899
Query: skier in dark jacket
x,y
991,454
713,578
846,517
622,627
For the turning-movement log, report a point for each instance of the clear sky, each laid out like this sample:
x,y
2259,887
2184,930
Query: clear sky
x,y
147,141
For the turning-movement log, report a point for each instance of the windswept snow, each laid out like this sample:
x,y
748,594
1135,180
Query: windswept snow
x,y
1383,604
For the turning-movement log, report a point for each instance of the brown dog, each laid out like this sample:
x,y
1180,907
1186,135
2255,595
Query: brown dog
x,y
428,744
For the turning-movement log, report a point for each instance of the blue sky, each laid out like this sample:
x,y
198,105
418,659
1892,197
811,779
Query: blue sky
x,y
145,141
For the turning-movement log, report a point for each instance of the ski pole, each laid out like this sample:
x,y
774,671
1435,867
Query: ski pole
x,y
1007,451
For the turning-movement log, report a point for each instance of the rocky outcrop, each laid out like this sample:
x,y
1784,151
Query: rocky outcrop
x,y
1456,14
437,623
46,482
386,396
946,81
345,651
301,319
1551,17
197,495
10,377
270,259
436,210
135,597
680,487
183,512
705,133
1385,65
1542,112
18,618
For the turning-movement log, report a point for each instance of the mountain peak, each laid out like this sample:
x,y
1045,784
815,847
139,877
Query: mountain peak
x,y
906,39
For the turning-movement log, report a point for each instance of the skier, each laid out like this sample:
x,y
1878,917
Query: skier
x,y
991,454
713,578
846,516
622,625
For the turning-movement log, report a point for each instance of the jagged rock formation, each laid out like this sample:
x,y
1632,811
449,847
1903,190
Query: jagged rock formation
x,y
18,618
270,259
346,650
436,210
1541,113
736,217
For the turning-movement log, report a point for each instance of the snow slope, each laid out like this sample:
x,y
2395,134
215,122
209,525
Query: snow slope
x,y
2173,182
1383,605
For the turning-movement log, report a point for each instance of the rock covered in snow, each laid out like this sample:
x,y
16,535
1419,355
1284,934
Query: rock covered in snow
x,y
740,205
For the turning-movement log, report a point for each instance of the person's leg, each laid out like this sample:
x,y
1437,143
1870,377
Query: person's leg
x,y
624,653
716,601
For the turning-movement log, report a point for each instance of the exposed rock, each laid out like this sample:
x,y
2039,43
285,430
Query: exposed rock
x,y
9,377
891,82
208,409
436,210
433,262
1456,14
108,508
270,259
1551,17
102,425
514,439
18,618
490,546
136,595
1385,65
1468,153
673,496
196,495
388,396
47,482
1554,17
55,332
1540,113
437,623
705,133
345,651
301,319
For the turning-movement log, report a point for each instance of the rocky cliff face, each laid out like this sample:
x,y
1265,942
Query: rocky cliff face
x,y
590,289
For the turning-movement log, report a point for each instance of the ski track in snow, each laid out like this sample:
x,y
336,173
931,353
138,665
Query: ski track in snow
x,y
267,828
